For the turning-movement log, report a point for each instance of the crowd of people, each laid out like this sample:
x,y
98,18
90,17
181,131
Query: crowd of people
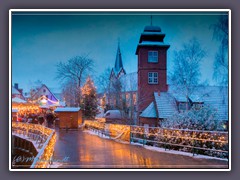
x,y
43,117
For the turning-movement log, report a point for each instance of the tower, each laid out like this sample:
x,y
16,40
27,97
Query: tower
x,y
118,69
152,65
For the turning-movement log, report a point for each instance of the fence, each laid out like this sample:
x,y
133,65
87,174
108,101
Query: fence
x,y
212,143
113,131
44,138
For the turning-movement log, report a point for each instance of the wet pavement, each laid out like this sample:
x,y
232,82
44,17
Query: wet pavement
x,y
78,149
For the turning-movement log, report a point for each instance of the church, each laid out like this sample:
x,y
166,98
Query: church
x,y
152,99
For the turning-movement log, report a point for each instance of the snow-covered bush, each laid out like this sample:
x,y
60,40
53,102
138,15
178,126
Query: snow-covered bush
x,y
204,118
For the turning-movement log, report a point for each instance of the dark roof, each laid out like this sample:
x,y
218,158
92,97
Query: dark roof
x,y
118,67
152,29
152,36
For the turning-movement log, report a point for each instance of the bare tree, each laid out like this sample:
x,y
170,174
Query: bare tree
x,y
75,69
69,93
103,81
186,71
129,90
220,33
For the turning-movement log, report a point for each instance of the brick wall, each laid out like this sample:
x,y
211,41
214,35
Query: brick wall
x,y
145,90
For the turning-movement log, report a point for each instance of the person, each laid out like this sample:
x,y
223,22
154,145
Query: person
x,y
41,119
50,119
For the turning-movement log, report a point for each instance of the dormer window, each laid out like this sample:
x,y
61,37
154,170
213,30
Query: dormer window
x,y
152,56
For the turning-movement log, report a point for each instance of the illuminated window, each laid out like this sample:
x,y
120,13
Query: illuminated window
x,y
152,78
153,56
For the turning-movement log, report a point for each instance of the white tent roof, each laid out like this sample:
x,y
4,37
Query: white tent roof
x,y
67,109
18,100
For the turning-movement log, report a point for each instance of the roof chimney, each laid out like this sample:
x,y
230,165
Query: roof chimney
x,y
16,86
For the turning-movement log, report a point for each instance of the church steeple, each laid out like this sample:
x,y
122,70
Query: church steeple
x,y
118,61
118,67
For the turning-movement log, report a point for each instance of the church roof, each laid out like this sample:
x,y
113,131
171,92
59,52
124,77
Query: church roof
x,y
118,67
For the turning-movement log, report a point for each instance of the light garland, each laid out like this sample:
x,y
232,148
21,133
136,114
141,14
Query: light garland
x,y
205,140
44,156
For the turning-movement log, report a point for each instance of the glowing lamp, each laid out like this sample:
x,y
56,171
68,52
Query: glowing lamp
x,y
44,101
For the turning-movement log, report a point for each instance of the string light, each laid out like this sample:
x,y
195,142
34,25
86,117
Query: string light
x,y
46,152
202,138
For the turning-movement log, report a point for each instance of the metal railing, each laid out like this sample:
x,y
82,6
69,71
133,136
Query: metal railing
x,y
43,139
211,143
214,143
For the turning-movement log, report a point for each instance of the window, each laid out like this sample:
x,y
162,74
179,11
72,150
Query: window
x,y
44,90
153,56
182,107
152,78
197,106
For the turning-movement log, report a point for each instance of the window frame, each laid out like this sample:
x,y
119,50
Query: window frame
x,y
151,57
153,78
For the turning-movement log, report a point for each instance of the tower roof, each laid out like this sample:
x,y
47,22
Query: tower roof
x,y
118,61
152,36
118,67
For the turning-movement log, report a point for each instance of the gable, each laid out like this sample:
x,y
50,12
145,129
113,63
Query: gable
x,y
44,91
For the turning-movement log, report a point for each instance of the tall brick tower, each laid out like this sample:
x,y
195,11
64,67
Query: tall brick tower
x,y
152,65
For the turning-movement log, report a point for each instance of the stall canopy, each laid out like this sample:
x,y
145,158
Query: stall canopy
x,y
18,100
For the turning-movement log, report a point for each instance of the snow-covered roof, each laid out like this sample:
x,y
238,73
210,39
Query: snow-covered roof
x,y
14,110
153,33
214,96
67,109
15,91
152,43
129,82
166,104
150,111
113,114
152,29
18,100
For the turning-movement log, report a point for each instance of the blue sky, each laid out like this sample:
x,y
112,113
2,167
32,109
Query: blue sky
x,y
40,41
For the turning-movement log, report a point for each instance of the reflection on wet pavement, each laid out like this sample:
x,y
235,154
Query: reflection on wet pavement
x,y
84,150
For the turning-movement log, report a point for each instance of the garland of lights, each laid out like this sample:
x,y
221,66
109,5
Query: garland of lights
x,y
205,140
43,158
44,97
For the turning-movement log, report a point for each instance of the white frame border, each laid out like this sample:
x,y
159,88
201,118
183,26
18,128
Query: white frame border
x,y
115,10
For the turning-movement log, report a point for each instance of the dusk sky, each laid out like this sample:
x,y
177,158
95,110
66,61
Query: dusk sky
x,y
40,41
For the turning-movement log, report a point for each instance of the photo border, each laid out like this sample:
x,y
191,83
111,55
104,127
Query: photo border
x,y
116,10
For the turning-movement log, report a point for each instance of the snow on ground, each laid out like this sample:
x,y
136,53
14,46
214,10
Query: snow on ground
x,y
177,152
97,134
55,165
152,148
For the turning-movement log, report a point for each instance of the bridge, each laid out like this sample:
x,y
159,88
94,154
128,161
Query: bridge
x,y
99,145
32,145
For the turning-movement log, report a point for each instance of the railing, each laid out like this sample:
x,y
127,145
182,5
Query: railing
x,y
211,143
42,137
113,131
